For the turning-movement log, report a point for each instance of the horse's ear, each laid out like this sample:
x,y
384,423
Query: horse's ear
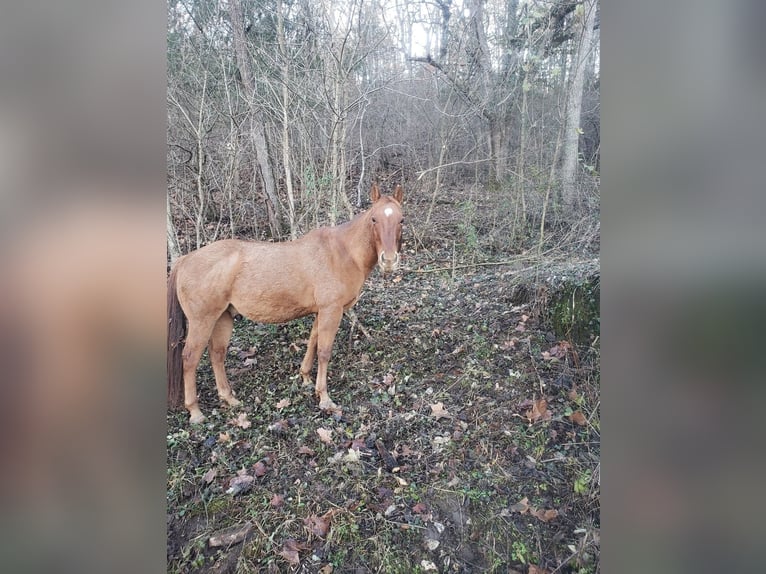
x,y
374,193
398,193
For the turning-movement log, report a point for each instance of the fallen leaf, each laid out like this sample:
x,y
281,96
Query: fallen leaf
x,y
509,344
290,551
327,568
241,421
279,426
209,476
537,570
407,451
284,403
249,362
432,544
259,469
325,436
438,411
546,515
578,418
357,444
230,536
306,450
539,411
277,500
224,437
240,484
320,525
521,506
428,566
245,354
419,508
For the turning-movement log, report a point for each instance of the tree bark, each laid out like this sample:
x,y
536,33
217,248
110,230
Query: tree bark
x,y
257,129
285,120
587,17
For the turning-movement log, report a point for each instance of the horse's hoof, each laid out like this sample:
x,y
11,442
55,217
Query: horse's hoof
x,y
331,408
197,418
232,402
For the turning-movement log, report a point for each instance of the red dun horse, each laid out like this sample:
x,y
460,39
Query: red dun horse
x,y
321,273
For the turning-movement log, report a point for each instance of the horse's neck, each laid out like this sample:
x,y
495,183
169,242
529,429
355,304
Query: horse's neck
x,y
357,236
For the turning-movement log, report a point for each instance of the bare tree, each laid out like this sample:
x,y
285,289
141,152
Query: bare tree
x,y
257,122
585,15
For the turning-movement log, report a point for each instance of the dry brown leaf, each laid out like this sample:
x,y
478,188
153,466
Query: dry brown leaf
x,y
573,396
578,418
407,451
325,436
279,426
545,515
539,411
259,469
327,568
318,525
537,570
438,411
224,438
306,450
210,476
241,421
277,500
284,403
240,484
249,362
230,536
521,506
290,551
509,344
245,354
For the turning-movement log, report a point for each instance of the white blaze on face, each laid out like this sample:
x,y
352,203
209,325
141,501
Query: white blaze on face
x,y
388,211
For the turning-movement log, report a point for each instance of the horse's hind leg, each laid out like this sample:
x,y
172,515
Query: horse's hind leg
x,y
219,343
196,341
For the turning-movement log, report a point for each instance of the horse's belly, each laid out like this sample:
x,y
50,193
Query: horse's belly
x,y
272,309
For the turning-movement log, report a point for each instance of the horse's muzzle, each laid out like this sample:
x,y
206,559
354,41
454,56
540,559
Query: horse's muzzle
x,y
388,265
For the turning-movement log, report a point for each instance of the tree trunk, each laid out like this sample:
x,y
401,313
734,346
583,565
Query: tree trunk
x,y
285,120
587,17
173,248
256,118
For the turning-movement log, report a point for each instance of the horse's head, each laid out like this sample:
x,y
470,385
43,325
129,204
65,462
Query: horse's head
x,y
386,220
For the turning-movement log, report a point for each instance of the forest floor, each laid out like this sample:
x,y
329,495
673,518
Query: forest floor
x,y
469,439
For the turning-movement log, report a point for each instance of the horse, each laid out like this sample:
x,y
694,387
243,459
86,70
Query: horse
x,y
320,273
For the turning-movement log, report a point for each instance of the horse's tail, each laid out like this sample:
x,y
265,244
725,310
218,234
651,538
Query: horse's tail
x,y
176,334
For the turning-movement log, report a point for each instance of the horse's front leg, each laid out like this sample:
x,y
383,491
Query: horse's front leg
x,y
311,351
326,325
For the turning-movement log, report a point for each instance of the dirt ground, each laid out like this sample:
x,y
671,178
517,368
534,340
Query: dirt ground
x,y
469,439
